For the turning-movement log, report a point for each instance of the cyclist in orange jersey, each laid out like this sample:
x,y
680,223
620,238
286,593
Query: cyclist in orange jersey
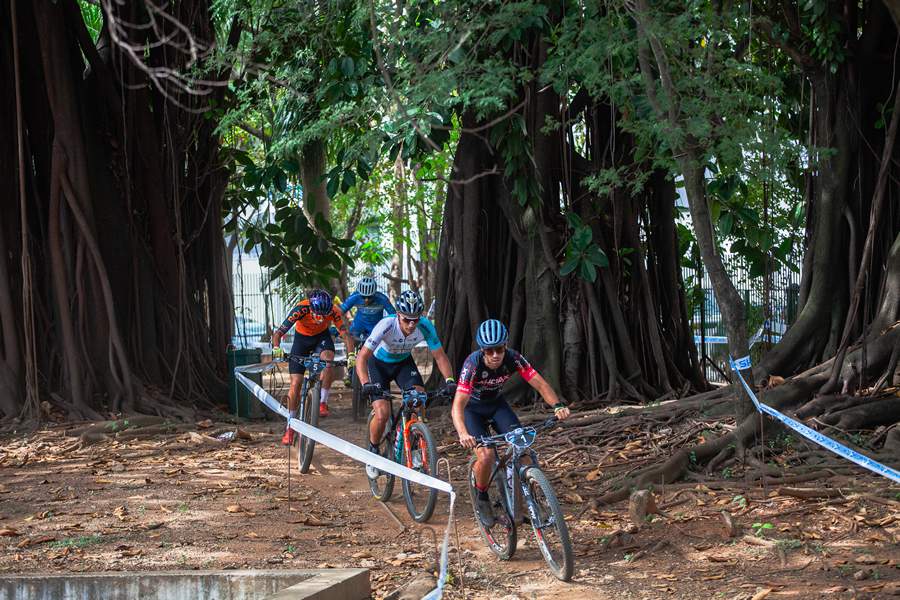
x,y
311,319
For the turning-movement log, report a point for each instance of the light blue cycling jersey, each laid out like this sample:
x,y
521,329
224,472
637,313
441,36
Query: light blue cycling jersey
x,y
367,316
390,345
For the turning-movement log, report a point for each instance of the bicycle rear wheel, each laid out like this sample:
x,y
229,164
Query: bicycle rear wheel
x,y
420,499
501,538
309,414
549,525
382,486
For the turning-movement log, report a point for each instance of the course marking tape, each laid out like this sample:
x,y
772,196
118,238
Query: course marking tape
x,y
813,435
358,454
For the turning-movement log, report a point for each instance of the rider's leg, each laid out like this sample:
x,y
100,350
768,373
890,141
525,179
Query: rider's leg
x,y
381,413
327,375
505,420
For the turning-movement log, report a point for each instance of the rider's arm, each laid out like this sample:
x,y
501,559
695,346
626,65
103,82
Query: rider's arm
x,y
286,325
544,389
362,362
386,303
336,317
443,363
458,413
549,395
350,302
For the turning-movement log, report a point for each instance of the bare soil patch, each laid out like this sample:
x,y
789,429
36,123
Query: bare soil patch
x,y
184,500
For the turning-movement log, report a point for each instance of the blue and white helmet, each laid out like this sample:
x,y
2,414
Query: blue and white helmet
x,y
366,286
491,333
410,304
320,302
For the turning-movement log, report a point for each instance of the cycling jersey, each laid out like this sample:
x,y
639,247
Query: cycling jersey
x,y
367,315
390,345
484,384
307,323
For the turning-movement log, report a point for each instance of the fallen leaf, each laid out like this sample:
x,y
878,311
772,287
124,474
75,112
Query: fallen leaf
x,y
593,475
35,541
712,577
9,532
761,594
235,508
205,424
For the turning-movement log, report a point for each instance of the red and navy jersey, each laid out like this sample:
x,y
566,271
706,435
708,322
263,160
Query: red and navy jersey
x,y
482,383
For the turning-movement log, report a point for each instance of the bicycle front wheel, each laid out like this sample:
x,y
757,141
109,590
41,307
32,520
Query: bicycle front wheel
x,y
501,538
549,525
420,499
309,414
382,485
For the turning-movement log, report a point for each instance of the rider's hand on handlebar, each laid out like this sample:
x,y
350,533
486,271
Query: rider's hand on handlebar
x,y
371,390
467,440
277,352
562,413
450,387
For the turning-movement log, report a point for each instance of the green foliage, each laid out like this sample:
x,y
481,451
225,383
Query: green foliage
x,y
582,255
760,529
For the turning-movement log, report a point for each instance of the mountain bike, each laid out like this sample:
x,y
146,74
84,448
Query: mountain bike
x,y
308,409
512,482
409,443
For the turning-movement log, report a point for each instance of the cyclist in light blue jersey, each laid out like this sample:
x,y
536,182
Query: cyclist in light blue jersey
x,y
386,356
370,305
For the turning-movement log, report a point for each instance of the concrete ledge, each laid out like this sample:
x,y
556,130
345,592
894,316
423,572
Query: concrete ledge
x,y
297,584
331,584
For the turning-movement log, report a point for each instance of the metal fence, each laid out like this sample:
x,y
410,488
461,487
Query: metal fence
x,y
261,304
770,302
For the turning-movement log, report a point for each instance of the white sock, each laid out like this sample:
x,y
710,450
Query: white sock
x,y
324,398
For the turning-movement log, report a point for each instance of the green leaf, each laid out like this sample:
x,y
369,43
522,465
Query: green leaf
x,y
574,220
725,223
587,271
569,265
582,237
349,181
596,256
347,66
332,186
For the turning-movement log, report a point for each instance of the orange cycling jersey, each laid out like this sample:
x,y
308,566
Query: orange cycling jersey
x,y
307,323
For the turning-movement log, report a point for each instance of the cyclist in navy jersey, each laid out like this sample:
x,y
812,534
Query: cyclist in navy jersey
x,y
479,401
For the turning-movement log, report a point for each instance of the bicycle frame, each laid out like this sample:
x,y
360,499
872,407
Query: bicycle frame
x,y
314,367
518,445
407,415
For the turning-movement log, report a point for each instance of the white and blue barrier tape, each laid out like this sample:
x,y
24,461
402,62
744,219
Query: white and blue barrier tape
x,y
358,454
722,340
811,434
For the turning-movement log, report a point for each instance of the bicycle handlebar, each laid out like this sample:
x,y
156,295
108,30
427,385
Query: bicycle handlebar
x,y
503,438
407,395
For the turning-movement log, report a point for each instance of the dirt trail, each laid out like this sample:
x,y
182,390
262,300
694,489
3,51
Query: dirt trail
x,y
175,502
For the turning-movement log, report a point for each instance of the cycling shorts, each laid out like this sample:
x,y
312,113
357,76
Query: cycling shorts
x,y
405,373
497,413
303,346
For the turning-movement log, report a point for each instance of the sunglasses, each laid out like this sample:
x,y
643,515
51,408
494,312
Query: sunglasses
x,y
494,350
410,320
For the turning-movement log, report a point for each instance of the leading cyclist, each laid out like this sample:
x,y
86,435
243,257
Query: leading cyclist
x,y
310,318
386,356
479,400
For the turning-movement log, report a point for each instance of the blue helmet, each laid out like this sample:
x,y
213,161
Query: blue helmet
x,y
366,286
320,302
491,333
410,304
